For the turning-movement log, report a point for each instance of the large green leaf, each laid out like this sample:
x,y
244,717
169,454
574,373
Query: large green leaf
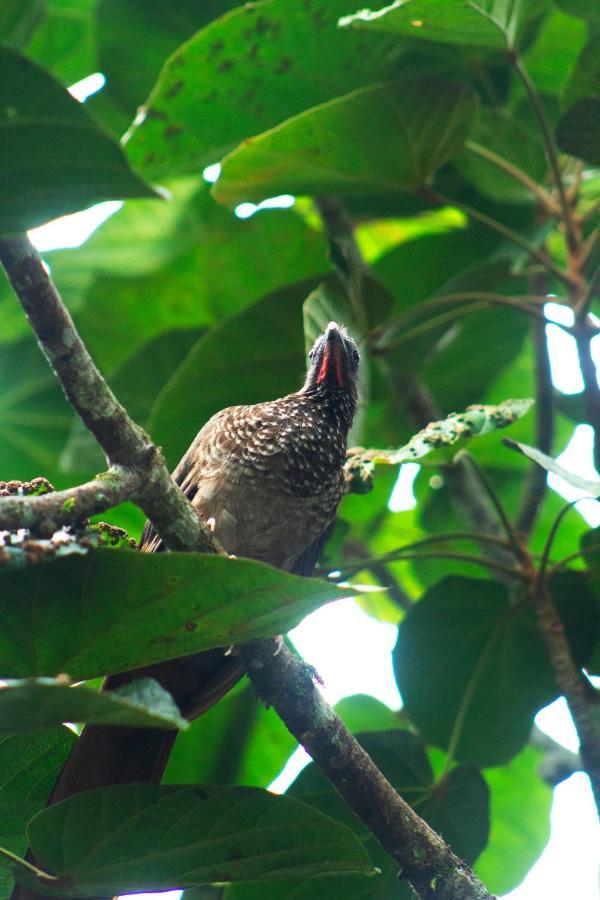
x,y
578,131
488,23
53,158
472,668
400,134
238,741
255,356
64,43
592,488
113,610
520,821
585,80
18,20
34,413
29,766
457,807
146,31
41,702
205,265
584,9
132,837
244,73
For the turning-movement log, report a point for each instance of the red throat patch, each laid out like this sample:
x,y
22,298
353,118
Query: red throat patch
x,y
326,365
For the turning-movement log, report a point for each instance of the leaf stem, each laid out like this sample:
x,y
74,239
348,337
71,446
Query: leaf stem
x,y
491,492
546,200
401,556
24,864
507,233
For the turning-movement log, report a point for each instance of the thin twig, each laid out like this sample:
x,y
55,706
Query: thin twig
x,y
546,261
401,556
570,683
423,858
545,199
591,388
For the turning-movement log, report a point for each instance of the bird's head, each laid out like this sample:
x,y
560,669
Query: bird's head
x,y
334,362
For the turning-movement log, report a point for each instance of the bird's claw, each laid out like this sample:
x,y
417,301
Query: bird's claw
x,y
280,644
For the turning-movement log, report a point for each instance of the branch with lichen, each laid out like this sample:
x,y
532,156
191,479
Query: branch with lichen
x,y
137,469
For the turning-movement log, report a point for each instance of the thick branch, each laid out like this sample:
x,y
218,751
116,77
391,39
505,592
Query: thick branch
x,y
49,512
284,682
124,442
571,684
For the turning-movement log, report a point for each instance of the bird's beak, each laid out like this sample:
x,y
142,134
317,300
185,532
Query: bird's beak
x,y
331,362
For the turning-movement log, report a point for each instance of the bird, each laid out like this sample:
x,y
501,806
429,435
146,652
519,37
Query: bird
x,y
268,478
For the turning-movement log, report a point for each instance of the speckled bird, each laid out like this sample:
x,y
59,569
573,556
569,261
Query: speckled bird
x,y
269,477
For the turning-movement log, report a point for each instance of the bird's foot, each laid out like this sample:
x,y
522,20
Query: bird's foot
x,y
211,524
279,644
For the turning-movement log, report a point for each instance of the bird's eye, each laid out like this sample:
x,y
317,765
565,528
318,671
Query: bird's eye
x,y
311,354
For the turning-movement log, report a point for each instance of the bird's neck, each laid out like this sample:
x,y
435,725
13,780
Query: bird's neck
x,y
338,404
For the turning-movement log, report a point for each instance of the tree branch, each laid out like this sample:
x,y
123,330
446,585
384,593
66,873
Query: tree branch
x,y
570,683
284,682
126,444
49,512
591,388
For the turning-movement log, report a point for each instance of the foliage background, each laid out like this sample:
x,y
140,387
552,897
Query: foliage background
x,y
188,308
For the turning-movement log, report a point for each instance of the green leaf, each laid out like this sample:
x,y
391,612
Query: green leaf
x,y
148,32
578,131
456,806
39,703
400,134
19,19
472,668
512,137
29,766
585,80
244,73
520,821
583,9
53,159
254,356
361,712
64,41
488,23
546,462
238,741
133,837
113,610
189,268
34,413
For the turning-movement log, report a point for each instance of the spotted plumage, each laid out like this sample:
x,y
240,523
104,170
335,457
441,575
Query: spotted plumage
x,y
269,477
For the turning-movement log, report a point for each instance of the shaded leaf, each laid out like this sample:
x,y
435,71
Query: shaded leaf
x,y
19,19
585,80
520,821
254,356
584,9
361,712
578,131
113,610
244,73
546,462
39,703
400,134
29,766
442,439
238,741
487,23
472,668
64,43
128,837
53,158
